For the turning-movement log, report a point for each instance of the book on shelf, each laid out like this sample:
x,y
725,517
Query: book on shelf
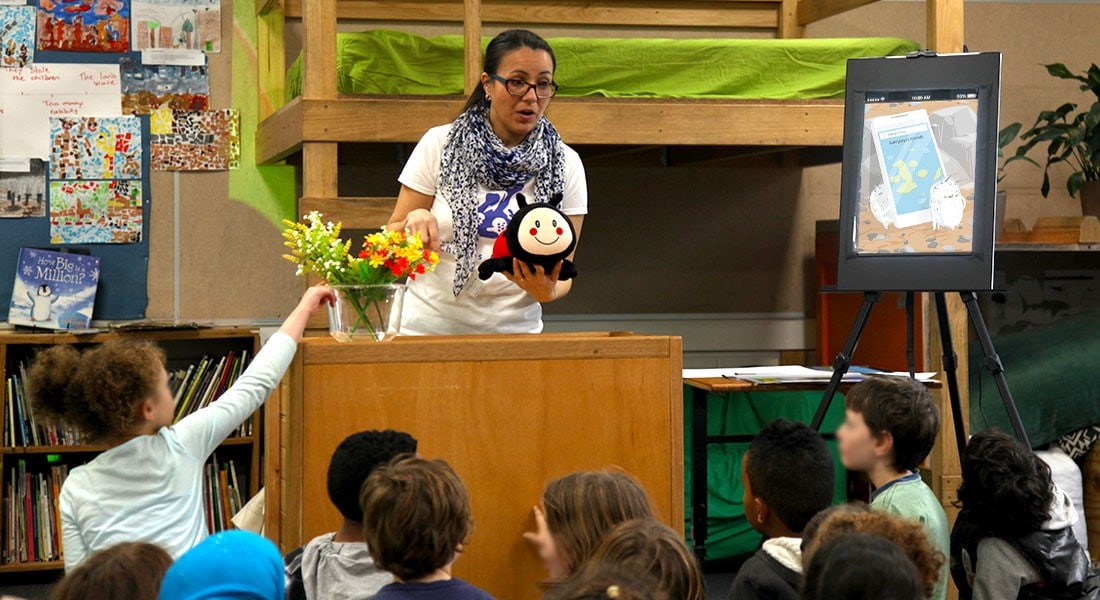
x,y
221,494
54,290
21,428
32,523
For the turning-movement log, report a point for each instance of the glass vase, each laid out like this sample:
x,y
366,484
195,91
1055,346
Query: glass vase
x,y
366,312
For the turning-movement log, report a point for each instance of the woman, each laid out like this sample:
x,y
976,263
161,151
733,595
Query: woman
x,y
458,192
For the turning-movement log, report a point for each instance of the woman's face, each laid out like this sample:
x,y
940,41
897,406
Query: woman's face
x,y
513,117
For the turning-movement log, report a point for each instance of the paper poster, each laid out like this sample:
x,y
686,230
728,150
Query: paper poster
x,y
23,191
146,88
30,96
95,212
54,290
95,148
207,140
16,36
175,25
84,25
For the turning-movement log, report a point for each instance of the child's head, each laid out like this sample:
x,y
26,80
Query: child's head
x,y
582,507
855,566
890,420
647,549
906,534
788,478
231,564
354,460
1005,486
604,584
108,391
416,516
126,571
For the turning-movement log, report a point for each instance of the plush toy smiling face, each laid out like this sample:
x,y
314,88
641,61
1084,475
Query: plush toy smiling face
x,y
543,231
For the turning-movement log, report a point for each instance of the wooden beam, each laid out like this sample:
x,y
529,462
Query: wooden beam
x,y
471,31
761,14
811,11
271,59
352,213
280,134
265,6
789,27
945,25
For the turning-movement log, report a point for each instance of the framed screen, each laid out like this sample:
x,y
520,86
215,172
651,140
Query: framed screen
x,y
919,173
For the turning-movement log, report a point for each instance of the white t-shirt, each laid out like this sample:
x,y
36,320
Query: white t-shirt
x,y
430,305
150,488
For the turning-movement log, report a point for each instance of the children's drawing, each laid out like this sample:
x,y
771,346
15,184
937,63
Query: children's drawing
x,y
16,36
146,88
207,140
84,25
95,148
177,25
23,193
95,212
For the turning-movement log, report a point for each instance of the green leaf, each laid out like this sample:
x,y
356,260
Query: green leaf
x,y
1009,133
1074,183
1059,70
1045,188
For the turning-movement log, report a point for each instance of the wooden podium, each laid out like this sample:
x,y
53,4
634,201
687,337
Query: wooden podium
x,y
508,412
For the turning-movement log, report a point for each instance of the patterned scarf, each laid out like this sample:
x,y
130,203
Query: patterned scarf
x,y
474,155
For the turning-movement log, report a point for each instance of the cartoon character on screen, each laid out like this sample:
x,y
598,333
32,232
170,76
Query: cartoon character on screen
x,y
539,234
946,205
882,206
42,302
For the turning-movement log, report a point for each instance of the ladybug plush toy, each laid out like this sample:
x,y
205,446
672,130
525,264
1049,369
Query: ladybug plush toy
x,y
538,234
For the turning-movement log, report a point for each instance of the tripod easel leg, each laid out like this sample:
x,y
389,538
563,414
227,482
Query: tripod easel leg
x,y
992,363
843,360
950,370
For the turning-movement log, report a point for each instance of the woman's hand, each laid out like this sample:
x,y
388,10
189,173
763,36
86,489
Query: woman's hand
x,y
538,284
420,221
544,545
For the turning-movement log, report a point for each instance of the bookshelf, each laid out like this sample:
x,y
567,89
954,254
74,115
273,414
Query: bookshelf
x,y
34,458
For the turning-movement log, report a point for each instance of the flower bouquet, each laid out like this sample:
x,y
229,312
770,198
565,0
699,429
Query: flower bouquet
x,y
367,284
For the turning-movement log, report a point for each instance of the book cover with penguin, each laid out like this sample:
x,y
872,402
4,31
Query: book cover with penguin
x,y
54,290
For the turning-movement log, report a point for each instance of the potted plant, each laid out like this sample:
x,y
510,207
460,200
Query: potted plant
x,y
1072,137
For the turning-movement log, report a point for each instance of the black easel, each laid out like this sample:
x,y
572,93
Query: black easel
x,y
991,362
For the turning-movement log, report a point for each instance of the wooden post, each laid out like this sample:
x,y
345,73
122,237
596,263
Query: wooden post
x,y
945,25
788,26
471,30
271,59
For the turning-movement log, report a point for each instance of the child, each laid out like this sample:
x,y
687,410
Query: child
x,y
232,564
148,485
858,566
646,550
788,476
889,427
416,520
606,584
126,571
337,565
1015,530
577,512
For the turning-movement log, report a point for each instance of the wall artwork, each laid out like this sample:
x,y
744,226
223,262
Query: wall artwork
x,y
16,36
84,25
207,140
177,25
95,148
23,191
146,88
95,212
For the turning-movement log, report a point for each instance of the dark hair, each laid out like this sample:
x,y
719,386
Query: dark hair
x,y
904,408
1005,486
582,507
858,566
789,467
416,515
503,43
605,584
96,392
355,458
809,532
646,548
126,571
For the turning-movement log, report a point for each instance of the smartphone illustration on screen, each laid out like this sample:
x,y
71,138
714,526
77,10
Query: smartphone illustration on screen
x,y
910,162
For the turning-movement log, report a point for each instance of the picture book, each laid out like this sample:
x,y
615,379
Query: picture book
x,y
54,290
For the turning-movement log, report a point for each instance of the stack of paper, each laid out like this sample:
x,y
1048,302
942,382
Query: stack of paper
x,y
794,374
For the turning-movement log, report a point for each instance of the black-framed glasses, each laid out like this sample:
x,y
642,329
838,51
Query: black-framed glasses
x,y
519,87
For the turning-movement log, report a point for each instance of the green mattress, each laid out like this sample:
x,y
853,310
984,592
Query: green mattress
x,y
392,62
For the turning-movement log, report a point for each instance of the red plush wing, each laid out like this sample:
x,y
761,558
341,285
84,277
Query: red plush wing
x,y
500,247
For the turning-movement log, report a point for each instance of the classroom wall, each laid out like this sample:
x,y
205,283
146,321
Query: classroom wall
x,y
686,239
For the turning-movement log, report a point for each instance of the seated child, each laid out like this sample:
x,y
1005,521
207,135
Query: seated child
x,y
147,486
889,427
126,571
647,550
788,476
604,584
859,566
577,512
416,520
231,564
337,566
906,534
1015,531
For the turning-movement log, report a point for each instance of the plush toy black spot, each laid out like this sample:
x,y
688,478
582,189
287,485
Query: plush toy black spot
x,y
538,234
